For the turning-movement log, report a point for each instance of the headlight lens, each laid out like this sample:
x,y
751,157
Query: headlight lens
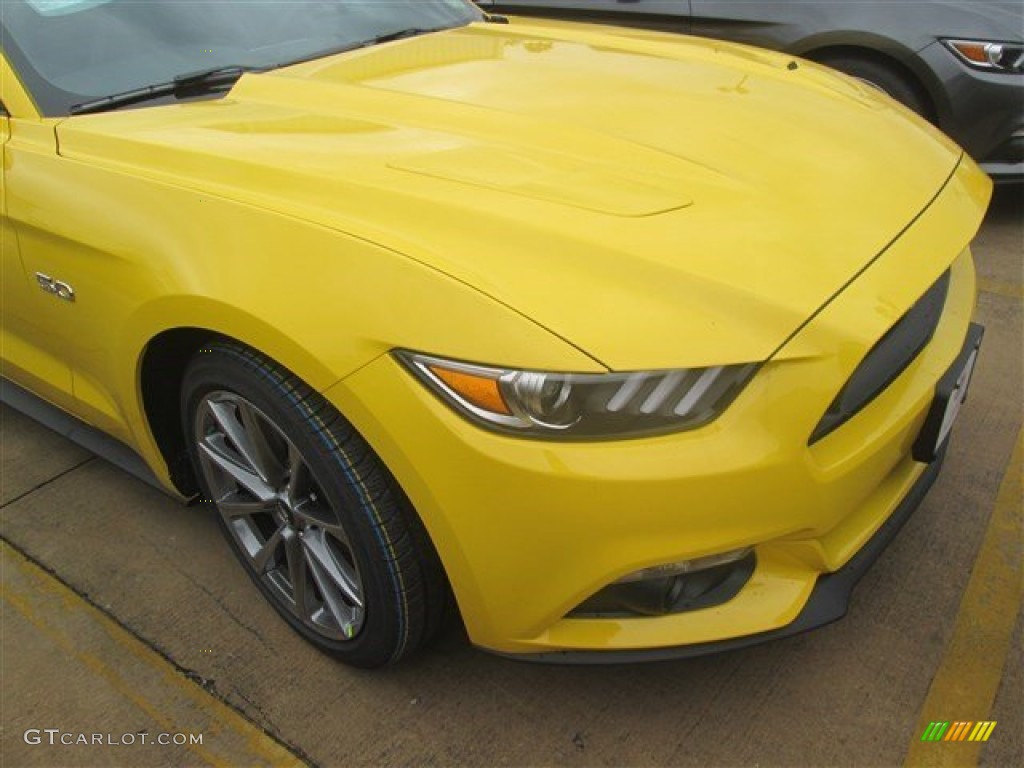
x,y
581,406
995,57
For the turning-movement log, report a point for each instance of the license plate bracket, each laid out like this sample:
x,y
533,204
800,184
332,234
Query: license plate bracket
x,y
950,395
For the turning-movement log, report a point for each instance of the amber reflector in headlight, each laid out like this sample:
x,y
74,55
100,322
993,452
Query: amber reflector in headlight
x,y
993,56
580,405
482,392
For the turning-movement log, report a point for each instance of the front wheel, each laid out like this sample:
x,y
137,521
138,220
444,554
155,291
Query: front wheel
x,y
312,513
887,78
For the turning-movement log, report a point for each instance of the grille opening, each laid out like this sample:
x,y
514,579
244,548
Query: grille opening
x,y
887,359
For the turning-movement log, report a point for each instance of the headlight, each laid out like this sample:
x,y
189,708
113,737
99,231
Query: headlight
x,y
581,406
994,57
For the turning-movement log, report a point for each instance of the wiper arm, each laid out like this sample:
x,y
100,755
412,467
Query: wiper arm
x,y
189,83
401,35
385,38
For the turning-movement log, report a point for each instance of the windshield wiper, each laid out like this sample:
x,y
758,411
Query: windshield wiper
x,y
387,37
206,80
401,34
187,84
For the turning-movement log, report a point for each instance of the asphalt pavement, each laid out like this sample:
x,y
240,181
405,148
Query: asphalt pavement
x,y
131,637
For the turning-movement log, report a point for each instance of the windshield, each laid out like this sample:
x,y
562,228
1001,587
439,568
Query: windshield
x,y
70,51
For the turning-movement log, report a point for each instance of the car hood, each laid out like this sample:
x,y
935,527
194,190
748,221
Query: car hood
x,y
655,201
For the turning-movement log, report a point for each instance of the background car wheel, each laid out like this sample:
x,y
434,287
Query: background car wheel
x,y
885,77
312,513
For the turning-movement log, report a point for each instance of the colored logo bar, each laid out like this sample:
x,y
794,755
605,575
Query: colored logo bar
x,y
959,731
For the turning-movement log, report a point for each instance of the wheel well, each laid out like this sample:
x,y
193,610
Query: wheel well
x,y
823,55
162,373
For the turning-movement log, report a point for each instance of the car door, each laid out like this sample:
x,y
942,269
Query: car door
x,y
26,355
669,15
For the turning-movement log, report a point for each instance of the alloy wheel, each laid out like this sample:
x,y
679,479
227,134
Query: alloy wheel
x,y
275,510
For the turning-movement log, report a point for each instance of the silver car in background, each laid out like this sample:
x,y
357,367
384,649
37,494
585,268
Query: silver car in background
x,y
960,64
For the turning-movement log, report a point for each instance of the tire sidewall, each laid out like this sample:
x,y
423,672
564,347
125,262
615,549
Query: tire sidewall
x,y
339,479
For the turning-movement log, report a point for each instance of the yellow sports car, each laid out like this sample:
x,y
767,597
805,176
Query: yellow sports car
x,y
621,345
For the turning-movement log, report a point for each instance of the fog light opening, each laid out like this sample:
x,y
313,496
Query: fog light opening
x,y
687,585
684,566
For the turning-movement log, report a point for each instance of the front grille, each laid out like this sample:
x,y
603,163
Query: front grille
x,y
887,359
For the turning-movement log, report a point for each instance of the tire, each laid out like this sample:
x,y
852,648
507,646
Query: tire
x,y
311,512
888,78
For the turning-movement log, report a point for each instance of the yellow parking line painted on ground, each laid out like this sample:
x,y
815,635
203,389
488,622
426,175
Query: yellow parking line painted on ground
x,y
968,677
1006,288
53,610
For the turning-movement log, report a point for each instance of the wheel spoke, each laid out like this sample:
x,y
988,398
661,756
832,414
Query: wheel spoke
x,y
344,617
225,414
256,444
235,505
318,515
295,555
241,429
298,475
215,449
334,576
265,555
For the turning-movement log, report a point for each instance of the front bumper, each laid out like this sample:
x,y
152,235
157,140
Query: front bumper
x,y
830,599
528,530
